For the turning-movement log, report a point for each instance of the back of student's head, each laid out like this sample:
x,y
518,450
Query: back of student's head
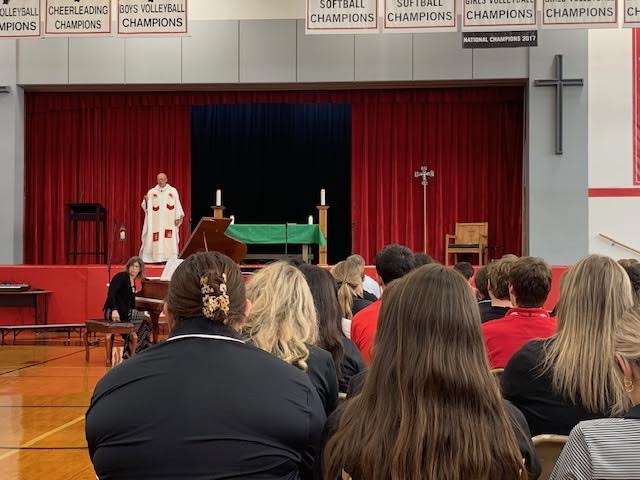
x,y
482,279
499,278
435,412
465,268
348,277
283,317
357,259
207,284
594,294
422,258
325,298
632,267
627,346
530,279
394,261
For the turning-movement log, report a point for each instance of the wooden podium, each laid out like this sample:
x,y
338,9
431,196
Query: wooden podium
x,y
86,212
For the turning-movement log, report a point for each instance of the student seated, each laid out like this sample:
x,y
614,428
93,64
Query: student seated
x,y
204,404
571,376
346,356
429,413
283,322
369,285
392,262
498,289
349,275
482,289
529,286
632,267
608,447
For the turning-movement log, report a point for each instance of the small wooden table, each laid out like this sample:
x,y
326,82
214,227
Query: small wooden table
x,y
109,329
27,299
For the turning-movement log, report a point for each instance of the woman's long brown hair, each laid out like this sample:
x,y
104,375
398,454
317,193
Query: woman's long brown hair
x,y
430,408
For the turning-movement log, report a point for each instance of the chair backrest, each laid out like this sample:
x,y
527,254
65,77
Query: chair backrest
x,y
548,448
472,233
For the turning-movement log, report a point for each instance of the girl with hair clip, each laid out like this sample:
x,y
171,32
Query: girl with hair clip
x,y
283,322
204,404
349,277
430,408
571,376
608,447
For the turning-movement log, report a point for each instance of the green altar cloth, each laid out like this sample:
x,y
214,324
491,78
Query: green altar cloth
x,y
276,234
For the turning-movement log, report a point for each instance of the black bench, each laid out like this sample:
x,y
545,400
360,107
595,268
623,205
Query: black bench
x,y
60,327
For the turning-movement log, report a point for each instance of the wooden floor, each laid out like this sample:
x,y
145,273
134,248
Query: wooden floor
x,y
44,394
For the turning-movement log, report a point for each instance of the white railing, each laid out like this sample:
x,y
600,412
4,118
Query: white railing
x,y
619,244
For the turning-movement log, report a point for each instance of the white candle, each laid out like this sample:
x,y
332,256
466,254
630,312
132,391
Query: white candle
x,y
322,197
310,219
218,198
233,219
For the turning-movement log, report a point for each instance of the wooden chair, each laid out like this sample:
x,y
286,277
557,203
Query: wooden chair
x,y
469,238
109,329
548,448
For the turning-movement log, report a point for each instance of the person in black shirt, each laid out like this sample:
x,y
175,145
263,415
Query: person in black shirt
x,y
498,289
120,305
204,404
571,376
283,322
349,276
431,412
346,355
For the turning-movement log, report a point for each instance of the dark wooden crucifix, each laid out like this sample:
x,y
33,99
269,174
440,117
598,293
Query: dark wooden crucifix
x,y
559,82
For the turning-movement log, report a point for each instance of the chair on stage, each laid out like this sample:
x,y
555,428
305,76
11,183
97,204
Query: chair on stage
x,y
469,238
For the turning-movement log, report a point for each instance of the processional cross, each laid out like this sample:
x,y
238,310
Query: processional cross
x,y
424,173
559,83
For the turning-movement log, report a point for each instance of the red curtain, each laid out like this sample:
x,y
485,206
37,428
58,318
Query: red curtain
x,y
473,140
108,147
98,154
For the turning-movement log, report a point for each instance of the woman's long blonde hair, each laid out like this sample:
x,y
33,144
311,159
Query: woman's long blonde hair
x,y
283,316
349,276
580,356
626,342
430,409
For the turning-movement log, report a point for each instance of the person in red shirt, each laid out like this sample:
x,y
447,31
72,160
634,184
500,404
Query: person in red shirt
x,y
529,286
392,262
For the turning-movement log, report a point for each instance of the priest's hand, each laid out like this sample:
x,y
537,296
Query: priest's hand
x,y
115,316
178,222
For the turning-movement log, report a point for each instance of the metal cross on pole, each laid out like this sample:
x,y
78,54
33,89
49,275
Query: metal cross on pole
x,y
424,173
559,83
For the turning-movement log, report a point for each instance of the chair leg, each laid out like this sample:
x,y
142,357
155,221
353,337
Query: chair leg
x,y
108,343
134,343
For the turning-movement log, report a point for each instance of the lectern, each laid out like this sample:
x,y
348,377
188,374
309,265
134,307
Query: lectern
x,y
91,213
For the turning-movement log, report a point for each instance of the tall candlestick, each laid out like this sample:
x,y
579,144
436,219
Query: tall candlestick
x,y
310,219
233,219
323,200
218,198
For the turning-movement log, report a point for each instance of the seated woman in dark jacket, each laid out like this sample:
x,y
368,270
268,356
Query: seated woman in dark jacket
x,y
283,322
120,305
429,407
204,404
346,356
571,376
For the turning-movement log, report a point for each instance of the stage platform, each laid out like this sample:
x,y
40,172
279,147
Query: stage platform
x,y
78,291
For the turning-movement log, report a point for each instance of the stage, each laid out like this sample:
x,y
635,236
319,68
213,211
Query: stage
x,y
78,291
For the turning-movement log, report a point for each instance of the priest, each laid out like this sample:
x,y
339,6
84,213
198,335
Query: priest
x,y
163,217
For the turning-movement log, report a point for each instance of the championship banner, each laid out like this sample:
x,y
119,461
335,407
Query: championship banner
x,y
341,16
19,18
631,13
579,13
498,14
77,17
159,17
419,15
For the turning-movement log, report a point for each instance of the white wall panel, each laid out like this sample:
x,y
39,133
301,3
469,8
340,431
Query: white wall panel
x,y
325,58
384,57
267,51
96,60
440,56
210,53
153,60
492,63
43,61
